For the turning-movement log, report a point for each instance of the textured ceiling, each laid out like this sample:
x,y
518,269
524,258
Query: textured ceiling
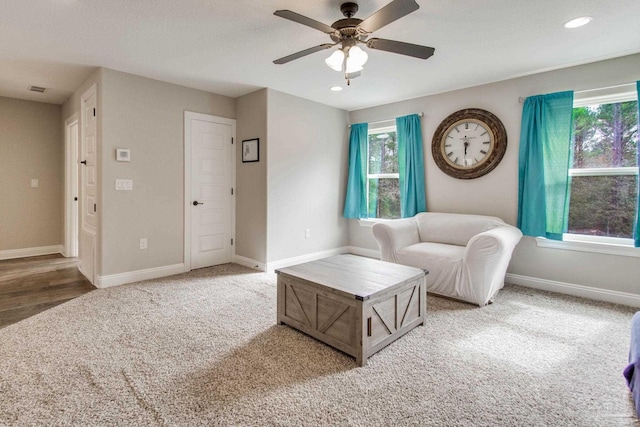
x,y
227,47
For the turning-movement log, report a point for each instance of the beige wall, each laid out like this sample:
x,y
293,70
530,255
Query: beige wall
x,y
306,176
31,147
251,179
147,117
497,192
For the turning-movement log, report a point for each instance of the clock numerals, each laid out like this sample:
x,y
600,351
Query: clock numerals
x,y
483,152
456,160
487,142
450,154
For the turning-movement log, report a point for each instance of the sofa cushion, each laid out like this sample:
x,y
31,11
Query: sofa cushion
x,y
454,229
441,260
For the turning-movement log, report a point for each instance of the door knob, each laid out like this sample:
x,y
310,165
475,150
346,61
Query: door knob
x,y
84,162
196,203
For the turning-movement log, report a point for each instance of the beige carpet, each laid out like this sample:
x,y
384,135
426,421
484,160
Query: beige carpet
x,y
203,349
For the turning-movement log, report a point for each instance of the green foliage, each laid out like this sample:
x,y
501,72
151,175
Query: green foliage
x,y
384,198
603,205
384,193
605,136
383,153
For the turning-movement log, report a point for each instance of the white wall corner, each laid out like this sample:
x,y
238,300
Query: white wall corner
x,y
599,294
29,252
139,275
248,262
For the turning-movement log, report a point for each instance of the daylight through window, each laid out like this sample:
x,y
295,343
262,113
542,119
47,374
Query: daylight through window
x,y
604,173
383,188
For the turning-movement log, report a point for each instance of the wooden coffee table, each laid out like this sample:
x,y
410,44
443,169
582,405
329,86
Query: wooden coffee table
x,y
355,304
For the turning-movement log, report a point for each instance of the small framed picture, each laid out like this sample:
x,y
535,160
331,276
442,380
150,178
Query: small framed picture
x,y
251,150
123,155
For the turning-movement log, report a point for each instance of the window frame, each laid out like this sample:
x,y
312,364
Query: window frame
x,y
382,127
589,243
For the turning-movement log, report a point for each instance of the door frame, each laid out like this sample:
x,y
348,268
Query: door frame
x,y
71,217
188,116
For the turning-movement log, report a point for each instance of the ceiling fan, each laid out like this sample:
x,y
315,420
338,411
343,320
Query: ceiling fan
x,y
348,32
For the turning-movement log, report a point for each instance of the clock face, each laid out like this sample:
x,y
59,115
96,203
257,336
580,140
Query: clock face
x,y
469,143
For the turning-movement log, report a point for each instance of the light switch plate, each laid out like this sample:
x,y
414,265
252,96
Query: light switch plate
x,y
34,183
124,184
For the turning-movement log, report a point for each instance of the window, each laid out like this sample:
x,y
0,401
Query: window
x,y
383,179
604,173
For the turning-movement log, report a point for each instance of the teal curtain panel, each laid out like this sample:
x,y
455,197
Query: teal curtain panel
x,y
636,230
355,205
411,165
545,154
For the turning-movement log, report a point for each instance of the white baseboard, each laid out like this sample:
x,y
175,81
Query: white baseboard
x,y
136,276
28,252
599,294
248,262
270,267
369,253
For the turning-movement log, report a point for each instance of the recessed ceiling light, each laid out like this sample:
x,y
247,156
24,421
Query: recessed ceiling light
x,y
336,88
578,22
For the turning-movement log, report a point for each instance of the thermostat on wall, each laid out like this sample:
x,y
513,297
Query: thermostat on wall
x,y
123,154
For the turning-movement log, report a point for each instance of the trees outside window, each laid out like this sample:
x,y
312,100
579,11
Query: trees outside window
x,y
383,188
604,174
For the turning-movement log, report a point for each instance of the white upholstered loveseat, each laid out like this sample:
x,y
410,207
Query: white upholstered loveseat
x,y
466,255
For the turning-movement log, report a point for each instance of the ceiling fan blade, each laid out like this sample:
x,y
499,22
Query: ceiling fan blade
x,y
391,12
415,50
301,19
302,53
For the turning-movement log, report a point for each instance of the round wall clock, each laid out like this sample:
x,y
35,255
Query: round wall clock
x,y
469,143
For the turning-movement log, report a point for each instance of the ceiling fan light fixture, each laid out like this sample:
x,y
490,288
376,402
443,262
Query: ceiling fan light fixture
x,y
335,60
356,59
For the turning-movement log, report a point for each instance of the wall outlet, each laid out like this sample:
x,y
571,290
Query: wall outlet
x,y
34,183
307,233
143,243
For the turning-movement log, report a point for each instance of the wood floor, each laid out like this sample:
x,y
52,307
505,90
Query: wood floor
x,y
29,286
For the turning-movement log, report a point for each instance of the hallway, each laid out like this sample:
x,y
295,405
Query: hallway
x,y
29,286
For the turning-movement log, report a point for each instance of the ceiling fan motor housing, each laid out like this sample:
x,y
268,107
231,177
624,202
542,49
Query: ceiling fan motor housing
x,y
347,28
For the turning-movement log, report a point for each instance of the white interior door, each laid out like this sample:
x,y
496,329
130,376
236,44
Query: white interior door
x,y
72,130
88,185
211,202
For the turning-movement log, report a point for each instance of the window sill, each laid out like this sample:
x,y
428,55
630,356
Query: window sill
x,y
368,222
599,248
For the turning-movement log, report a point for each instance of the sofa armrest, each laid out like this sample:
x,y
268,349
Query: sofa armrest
x,y
395,235
486,259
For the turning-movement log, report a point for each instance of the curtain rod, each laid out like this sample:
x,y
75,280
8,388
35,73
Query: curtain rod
x,y
521,99
421,114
